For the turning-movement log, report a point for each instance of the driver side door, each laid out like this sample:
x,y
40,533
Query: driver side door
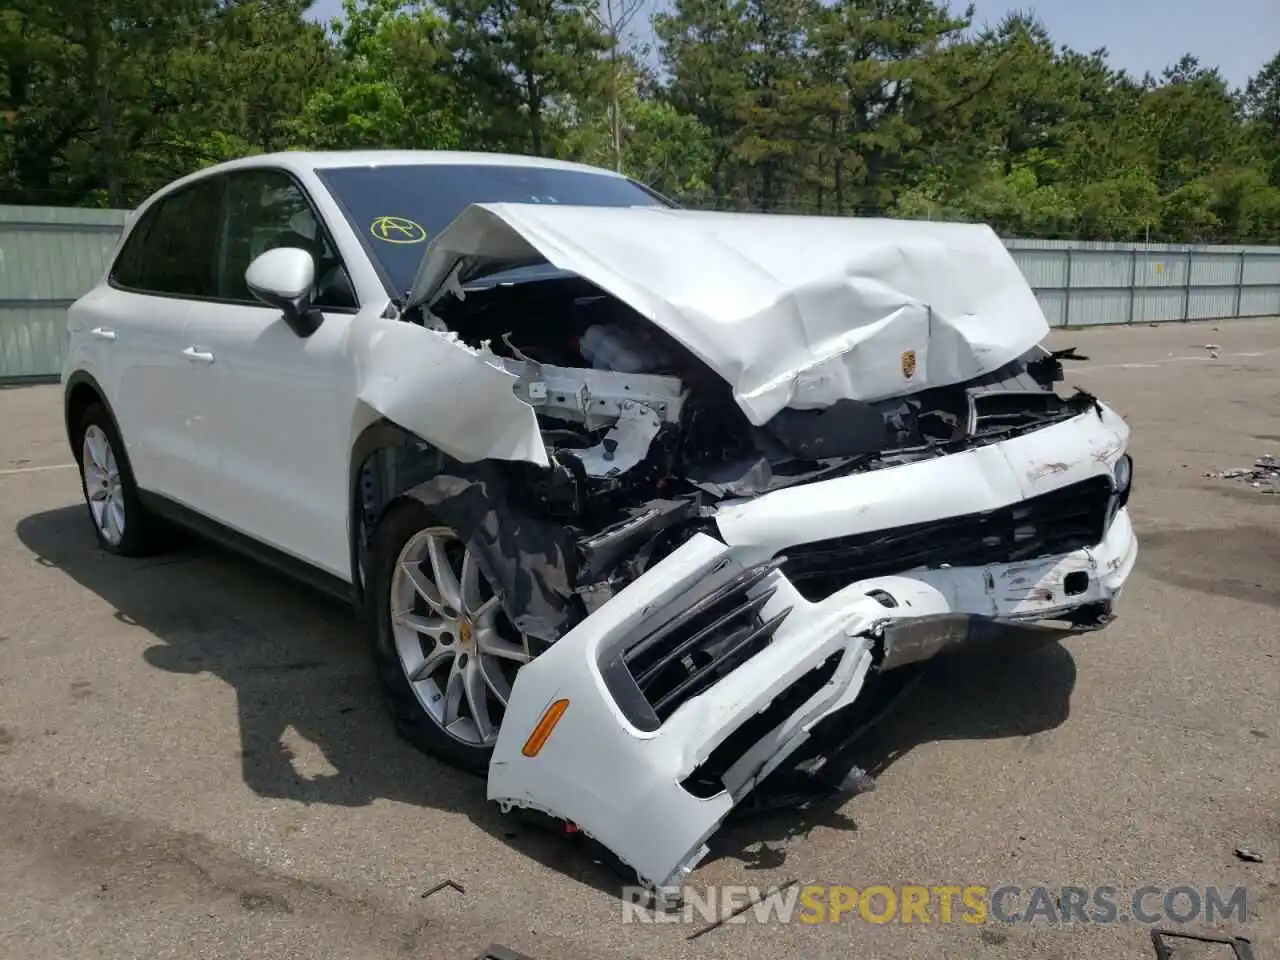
x,y
280,417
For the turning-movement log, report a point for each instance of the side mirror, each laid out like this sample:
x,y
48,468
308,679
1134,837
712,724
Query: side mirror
x,y
285,278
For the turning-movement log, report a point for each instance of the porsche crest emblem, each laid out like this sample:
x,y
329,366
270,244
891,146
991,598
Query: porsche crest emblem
x,y
908,364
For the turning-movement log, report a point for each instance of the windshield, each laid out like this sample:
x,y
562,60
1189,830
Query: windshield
x,y
396,210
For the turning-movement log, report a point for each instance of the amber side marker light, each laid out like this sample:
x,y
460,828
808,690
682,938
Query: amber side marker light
x,y
542,732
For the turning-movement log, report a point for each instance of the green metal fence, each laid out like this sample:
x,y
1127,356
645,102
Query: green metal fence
x,y
49,256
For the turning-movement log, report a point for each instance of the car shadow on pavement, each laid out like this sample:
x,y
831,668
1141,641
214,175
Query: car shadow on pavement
x,y
303,680
1019,693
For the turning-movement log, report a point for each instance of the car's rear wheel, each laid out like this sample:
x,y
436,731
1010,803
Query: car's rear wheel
x,y
447,654
120,522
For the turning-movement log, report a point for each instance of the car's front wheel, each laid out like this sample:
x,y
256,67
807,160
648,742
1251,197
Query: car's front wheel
x,y
446,652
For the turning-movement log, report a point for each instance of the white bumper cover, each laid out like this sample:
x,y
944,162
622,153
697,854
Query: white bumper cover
x,y
620,780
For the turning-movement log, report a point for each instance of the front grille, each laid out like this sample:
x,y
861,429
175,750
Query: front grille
x,y
691,643
1053,523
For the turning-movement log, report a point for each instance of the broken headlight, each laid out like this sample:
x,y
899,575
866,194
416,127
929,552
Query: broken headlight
x,y
1123,476
1122,482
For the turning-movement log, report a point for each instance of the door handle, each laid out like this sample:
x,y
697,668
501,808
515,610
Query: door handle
x,y
198,355
103,333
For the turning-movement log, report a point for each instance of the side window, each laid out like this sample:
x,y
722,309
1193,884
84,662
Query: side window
x,y
170,251
130,267
266,209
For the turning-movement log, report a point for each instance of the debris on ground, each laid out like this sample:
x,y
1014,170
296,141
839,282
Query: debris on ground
x,y
442,885
1264,475
1070,353
1248,854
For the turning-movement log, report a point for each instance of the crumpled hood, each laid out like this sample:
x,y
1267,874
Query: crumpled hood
x,y
792,311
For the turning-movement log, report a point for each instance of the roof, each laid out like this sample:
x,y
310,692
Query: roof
x,y
297,160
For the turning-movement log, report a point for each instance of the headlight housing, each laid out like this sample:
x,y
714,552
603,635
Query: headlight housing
x,y
1123,477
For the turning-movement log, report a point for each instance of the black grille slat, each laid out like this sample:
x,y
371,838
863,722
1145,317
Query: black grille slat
x,y
708,604
695,639
1057,522
738,651
700,638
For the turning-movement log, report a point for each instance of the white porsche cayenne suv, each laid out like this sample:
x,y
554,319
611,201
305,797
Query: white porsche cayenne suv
x,y
635,500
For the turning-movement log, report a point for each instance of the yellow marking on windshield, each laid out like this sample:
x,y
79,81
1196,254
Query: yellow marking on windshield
x,y
397,230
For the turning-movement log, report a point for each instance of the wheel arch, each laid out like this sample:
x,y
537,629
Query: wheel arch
x,y
80,392
386,461
531,559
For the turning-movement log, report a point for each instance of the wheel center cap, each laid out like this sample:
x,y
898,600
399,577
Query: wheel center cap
x,y
464,632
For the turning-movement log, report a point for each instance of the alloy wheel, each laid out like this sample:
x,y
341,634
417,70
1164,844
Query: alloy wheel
x,y
458,649
103,485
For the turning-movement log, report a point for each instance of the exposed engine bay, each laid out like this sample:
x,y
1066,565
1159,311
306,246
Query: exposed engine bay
x,y
642,438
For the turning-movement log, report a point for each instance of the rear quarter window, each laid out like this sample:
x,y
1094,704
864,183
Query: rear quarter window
x,y
171,249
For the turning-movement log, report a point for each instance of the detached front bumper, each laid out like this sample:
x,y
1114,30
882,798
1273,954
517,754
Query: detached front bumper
x,y
652,719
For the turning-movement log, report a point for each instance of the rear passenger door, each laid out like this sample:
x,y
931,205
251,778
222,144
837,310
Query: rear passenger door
x,y
165,266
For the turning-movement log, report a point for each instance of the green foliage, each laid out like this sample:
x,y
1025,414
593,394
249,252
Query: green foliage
x,y
869,107
521,67
668,150
388,88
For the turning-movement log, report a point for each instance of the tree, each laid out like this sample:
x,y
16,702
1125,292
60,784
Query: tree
x,y
256,39
702,46
667,149
828,106
1262,107
522,66
89,83
389,88
1194,123
881,94
615,17
108,99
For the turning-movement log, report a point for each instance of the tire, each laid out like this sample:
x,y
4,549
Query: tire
x,y
445,678
120,522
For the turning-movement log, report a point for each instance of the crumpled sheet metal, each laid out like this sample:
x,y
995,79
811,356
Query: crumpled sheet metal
x,y
791,311
530,562
432,384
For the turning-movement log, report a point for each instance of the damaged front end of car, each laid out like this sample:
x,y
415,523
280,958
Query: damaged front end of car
x,y
725,470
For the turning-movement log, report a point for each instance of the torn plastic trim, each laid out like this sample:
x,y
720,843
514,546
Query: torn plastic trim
x,y
619,784
628,788
605,549
683,647
1053,523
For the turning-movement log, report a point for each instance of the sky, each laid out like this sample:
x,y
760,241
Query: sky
x,y
1237,36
